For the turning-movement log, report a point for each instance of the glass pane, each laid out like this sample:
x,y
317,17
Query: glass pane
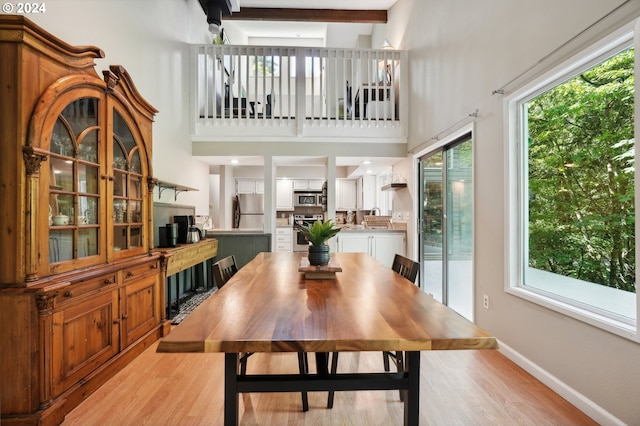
x,y
88,149
87,210
459,232
119,210
119,238
60,245
581,188
87,242
62,209
81,114
432,223
121,129
119,156
61,140
135,186
135,211
135,164
119,184
61,174
87,179
136,236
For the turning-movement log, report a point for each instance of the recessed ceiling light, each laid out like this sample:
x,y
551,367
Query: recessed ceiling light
x,y
365,162
234,161
369,171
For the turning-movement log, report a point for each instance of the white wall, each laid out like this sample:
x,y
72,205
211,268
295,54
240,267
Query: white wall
x,y
460,51
150,39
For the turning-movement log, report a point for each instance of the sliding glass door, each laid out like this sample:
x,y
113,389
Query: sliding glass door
x,y
446,218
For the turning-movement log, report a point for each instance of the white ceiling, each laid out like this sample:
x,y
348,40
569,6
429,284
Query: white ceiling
x,y
308,30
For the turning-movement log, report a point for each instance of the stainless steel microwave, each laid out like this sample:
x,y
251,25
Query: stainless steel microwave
x,y
307,199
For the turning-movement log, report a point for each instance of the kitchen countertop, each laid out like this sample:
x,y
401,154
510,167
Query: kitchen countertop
x,y
361,228
236,231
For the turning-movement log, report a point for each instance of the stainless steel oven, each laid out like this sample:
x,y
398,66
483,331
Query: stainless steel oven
x,y
307,199
300,243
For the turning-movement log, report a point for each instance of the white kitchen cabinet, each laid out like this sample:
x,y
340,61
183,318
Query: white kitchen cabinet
x,y
353,242
367,192
307,184
383,246
316,184
345,194
284,195
284,238
249,186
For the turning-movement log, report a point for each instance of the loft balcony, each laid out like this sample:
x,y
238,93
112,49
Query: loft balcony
x,y
296,93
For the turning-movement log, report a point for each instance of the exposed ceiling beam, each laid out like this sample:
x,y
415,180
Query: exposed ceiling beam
x,y
310,15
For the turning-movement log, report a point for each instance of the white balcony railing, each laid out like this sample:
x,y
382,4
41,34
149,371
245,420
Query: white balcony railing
x,y
298,91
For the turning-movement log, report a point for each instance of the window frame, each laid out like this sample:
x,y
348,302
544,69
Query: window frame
x,y
516,182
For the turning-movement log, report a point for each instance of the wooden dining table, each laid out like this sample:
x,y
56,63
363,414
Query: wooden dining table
x,y
269,306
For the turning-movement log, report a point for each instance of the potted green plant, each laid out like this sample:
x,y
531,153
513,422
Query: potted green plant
x,y
318,233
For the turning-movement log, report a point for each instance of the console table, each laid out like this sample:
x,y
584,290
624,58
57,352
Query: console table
x,y
186,256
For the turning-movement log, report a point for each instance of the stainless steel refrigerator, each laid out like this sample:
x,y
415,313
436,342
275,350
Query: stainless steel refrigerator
x,y
249,211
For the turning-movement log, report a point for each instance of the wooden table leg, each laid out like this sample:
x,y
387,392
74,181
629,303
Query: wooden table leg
x,y
412,394
231,396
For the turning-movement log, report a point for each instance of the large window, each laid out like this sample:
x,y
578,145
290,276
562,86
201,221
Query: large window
x,y
572,189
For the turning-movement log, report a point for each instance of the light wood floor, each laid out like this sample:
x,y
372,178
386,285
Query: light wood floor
x,y
457,388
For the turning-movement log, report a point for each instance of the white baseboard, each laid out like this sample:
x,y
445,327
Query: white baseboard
x,y
583,403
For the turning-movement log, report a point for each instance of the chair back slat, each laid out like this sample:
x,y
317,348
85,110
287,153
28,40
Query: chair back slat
x,y
224,269
406,267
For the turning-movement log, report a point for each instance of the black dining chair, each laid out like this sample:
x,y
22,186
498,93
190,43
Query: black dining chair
x,y
269,107
223,270
409,270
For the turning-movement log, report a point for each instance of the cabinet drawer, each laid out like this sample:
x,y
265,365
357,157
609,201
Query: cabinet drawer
x,y
283,238
82,288
137,271
284,246
284,231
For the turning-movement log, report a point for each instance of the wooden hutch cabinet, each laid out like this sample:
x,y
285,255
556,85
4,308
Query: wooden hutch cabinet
x,y
81,288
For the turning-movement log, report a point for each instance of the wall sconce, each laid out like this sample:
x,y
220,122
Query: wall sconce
x,y
386,45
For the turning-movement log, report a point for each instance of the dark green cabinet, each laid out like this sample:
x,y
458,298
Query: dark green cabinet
x,y
243,246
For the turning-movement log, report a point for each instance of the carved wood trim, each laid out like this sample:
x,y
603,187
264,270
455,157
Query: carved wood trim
x,y
125,83
151,184
45,302
111,79
32,160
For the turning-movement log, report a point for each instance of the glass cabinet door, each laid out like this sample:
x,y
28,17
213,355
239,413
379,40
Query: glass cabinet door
x,y
74,190
127,211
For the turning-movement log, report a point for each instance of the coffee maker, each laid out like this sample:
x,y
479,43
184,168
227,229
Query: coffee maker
x,y
168,235
184,223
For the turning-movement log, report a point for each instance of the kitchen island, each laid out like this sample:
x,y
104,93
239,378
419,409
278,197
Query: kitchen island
x,y
244,244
